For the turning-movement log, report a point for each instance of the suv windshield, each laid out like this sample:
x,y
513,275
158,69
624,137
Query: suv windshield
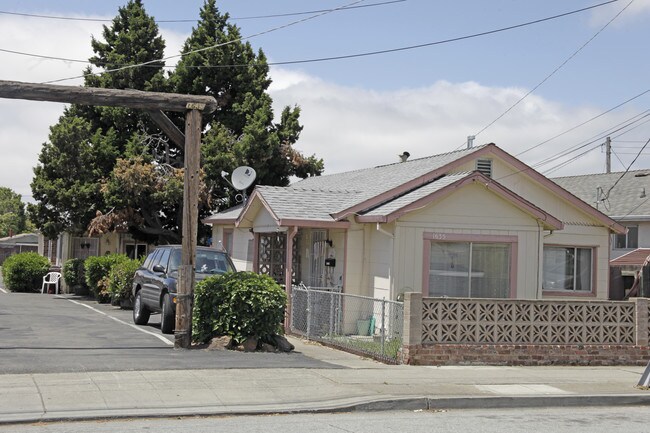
x,y
206,262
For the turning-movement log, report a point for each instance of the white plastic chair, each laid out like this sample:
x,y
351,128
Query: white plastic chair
x,y
51,278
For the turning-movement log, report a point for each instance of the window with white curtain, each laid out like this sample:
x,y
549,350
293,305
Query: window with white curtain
x,y
567,268
469,269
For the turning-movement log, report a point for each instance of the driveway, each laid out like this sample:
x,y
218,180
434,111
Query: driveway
x,y
57,334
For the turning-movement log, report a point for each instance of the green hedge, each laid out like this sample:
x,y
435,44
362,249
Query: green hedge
x,y
120,279
97,269
24,272
238,305
74,275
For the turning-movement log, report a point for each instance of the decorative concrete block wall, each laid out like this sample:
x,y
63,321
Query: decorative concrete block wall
x,y
443,331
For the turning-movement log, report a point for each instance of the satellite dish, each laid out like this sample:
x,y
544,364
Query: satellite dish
x,y
243,177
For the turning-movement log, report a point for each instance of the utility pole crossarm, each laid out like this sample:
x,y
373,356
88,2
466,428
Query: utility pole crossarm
x,y
150,101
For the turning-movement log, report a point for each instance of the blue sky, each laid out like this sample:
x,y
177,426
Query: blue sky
x,y
364,111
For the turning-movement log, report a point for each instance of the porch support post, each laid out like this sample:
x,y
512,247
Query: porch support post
x,y
185,289
288,268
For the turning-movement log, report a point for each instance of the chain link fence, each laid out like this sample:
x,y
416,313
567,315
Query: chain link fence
x,y
356,323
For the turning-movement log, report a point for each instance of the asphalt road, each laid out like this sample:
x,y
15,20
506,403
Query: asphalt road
x,y
57,334
557,420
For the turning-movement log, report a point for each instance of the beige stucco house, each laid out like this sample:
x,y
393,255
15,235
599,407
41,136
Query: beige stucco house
x,y
472,223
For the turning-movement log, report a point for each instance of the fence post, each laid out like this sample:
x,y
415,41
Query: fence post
x,y
383,325
641,322
308,313
412,319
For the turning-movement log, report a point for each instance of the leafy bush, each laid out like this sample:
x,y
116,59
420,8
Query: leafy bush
x,y
120,279
239,305
24,272
96,270
73,274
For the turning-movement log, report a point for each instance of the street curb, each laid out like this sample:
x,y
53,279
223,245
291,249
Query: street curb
x,y
390,404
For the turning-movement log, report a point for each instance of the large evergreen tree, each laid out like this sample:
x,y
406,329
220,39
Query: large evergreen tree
x,y
120,150
241,131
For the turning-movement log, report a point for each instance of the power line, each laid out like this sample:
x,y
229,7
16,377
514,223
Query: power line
x,y
288,14
584,123
594,139
626,170
284,26
568,59
313,60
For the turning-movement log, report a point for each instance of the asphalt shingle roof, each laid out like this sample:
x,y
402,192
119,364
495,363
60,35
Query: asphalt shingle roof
x,y
421,192
624,200
316,198
305,203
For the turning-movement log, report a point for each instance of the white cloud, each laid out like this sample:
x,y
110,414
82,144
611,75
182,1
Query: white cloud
x,y
348,127
24,125
637,10
352,128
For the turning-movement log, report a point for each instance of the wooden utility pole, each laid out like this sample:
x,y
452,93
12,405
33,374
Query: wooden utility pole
x,y
185,287
155,103
608,155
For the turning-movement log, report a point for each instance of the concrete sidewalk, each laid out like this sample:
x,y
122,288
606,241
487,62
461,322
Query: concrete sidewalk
x,y
362,385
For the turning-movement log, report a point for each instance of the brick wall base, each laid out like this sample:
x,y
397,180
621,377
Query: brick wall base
x,y
525,354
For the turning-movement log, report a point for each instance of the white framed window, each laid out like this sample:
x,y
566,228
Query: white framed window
x,y
627,240
135,250
568,268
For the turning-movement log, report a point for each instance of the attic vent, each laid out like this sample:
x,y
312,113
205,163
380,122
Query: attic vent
x,y
484,166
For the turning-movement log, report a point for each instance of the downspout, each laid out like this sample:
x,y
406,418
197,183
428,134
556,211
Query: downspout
x,y
391,236
288,268
539,256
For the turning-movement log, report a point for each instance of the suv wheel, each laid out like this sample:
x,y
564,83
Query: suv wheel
x,y
140,312
167,317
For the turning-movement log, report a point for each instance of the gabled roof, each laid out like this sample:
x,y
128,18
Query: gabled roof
x,y
333,198
624,202
435,190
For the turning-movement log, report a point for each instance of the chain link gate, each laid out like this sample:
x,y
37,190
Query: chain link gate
x,y
361,324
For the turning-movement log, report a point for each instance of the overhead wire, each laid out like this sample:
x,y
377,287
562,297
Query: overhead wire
x,y
584,123
199,50
320,59
288,14
597,138
567,60
626,170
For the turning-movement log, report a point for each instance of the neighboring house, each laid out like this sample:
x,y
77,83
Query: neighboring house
x,y
622,198
22,243
67,246
471,223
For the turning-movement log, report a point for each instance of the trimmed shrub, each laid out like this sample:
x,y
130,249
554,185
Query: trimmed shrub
x,y
120,280
24,272
74,275
239,305
96,270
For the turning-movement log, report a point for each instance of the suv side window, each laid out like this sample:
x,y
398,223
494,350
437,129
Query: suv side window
x,y
164,258
174,260
155,257
148,260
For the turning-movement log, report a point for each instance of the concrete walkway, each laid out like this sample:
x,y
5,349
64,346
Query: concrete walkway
x,y
361,385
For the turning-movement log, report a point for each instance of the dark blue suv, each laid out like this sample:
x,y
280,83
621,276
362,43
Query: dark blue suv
x,y
154,284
